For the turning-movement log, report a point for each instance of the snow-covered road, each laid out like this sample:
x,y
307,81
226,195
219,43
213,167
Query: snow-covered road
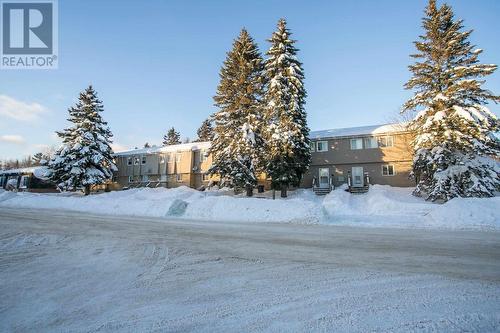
x,y
62,271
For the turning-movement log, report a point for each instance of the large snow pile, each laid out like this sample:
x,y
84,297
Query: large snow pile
x,y
386,206
301,207
382,206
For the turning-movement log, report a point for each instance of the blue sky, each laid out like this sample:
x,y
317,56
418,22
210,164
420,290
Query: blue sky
x,y
155,64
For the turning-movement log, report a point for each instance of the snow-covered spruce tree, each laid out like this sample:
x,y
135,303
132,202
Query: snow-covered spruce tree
x,y
172,137
286,133
454,139
206,131
237,145
85,157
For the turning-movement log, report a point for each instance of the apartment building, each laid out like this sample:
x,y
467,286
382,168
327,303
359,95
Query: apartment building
x,y
379,154
169,166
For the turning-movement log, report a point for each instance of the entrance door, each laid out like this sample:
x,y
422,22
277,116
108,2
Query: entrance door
x,y
357,177
324,177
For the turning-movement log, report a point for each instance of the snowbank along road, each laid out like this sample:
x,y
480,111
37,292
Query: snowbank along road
x,y
62,271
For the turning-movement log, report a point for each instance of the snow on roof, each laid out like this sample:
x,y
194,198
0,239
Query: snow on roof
x,y
153,150
355,131
39,171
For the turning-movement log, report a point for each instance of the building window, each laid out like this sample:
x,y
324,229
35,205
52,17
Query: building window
x,y
178,177
203,156
205,177
162,159
386,141
24,182
2,180
178,157
388,170
136,160
129,160
130,179
340,179
145,178
143,160
163,178
312,146
321,146
356,144
371,143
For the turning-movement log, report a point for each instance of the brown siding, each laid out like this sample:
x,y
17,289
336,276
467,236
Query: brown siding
x,y
340,158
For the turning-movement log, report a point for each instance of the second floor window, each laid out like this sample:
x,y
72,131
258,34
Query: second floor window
x,y
143,161
371,143
129,161
356,144
203,156
386,141
321,146
136,161
312,146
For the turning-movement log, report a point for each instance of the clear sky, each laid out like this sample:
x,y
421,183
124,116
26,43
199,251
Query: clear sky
x,y
155,64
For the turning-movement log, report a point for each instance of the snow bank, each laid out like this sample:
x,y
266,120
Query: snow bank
x,y
382,206
386,206
140,202
300,208
476,213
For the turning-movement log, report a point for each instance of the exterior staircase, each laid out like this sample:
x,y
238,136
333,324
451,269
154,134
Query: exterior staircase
x,y
322,190
358,190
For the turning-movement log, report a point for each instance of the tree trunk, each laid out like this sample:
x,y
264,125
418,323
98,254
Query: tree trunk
x,y
249,190
86,190
283,191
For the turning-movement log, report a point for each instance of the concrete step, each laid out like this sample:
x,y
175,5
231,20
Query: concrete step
x,y
358,190
321,190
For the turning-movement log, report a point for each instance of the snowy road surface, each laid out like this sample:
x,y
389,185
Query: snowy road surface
x,y
62,271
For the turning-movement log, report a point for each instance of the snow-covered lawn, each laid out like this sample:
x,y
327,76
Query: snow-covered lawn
x,y
382,206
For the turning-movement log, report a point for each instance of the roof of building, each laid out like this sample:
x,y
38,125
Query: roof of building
x,y
164,149
357,131
38,171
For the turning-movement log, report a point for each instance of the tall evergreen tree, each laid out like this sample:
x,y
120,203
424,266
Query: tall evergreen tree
x,y
286,133
85,157
206,131
172,138
237,145
454,130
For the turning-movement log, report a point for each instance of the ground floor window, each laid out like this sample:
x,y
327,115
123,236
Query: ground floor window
x,y
24,182
205,177
130,179
388,170
145,178
178,177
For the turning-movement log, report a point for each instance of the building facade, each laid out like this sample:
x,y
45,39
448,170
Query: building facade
x,y
169,166
378,154
32,179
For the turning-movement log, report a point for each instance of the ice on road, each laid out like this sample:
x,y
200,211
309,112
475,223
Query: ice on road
x,y
63,272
